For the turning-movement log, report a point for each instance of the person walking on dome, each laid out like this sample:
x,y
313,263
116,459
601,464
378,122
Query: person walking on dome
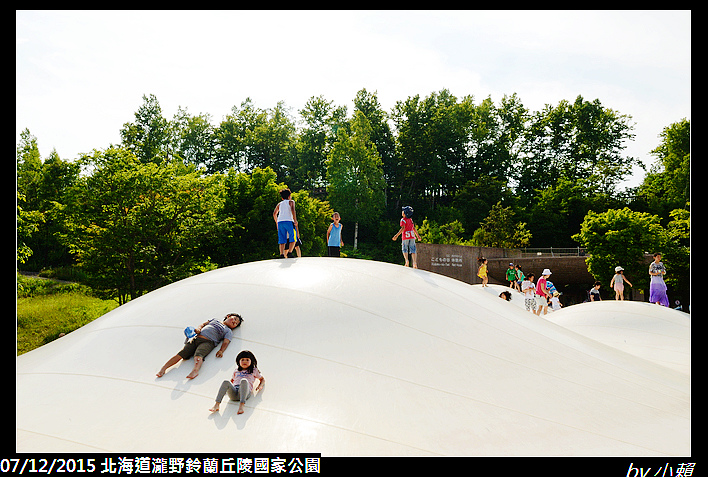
x,y
285,221
409,234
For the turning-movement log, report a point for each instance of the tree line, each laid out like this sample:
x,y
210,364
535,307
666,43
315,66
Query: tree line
x,y
184,195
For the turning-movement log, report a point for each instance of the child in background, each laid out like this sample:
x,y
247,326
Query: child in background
x,y
334,236
617,283
529,291
505,295
511,276
482,271
409,234
519,277
555,302
542,293
298,241
595,292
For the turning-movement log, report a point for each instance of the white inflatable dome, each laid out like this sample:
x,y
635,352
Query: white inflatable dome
x,y
650,331
361,359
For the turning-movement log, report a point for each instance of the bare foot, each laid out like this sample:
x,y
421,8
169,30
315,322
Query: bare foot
x,y
198,360
215,407
160,373
240,408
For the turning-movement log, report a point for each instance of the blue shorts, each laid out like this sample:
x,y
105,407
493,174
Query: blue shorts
x,y
286,229
408,246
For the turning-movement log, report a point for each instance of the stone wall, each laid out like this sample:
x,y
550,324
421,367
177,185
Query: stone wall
x,y
460,262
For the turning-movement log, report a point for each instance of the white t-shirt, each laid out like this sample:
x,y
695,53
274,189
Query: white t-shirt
x,y
528,288
285,214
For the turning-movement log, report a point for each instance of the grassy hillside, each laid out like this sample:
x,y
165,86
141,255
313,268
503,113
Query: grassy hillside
x,y
46,309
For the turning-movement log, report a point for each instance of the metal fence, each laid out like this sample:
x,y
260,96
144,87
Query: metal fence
x,y
552,252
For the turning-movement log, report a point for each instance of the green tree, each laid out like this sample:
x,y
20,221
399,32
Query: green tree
x,y
322,119
575,141
432,144
667,186
677,253
555,215
500,229
42,185
449,233
355,175
29,178
272,142
249,233
493,138
27,223
136,226
29,169
231,138
148,138
620,237
381,136
251,138
56,179
475,199
194,138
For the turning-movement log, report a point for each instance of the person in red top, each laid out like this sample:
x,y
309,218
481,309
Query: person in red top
x,y
542,293
409,234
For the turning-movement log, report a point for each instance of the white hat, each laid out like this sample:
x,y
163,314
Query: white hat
x,y
617,269
546,272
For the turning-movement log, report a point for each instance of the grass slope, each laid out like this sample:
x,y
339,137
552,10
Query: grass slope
x,y
46,309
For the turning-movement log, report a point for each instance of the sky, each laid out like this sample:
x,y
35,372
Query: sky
x,y
81,75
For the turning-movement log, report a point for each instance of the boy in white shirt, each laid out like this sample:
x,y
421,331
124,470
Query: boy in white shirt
x,y
285,222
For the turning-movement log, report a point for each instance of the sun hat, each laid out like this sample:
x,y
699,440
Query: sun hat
x,y
618,269
546,272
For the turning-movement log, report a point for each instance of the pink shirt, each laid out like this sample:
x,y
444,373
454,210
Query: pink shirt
x,y
244,374
539,290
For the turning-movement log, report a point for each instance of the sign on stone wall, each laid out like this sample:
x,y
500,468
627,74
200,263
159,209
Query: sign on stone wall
x,y
447,260
455,261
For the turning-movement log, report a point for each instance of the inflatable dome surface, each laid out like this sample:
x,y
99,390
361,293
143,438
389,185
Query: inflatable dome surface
x,y
361,358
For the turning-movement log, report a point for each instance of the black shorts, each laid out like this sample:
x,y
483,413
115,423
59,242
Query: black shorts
x,y
197,347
